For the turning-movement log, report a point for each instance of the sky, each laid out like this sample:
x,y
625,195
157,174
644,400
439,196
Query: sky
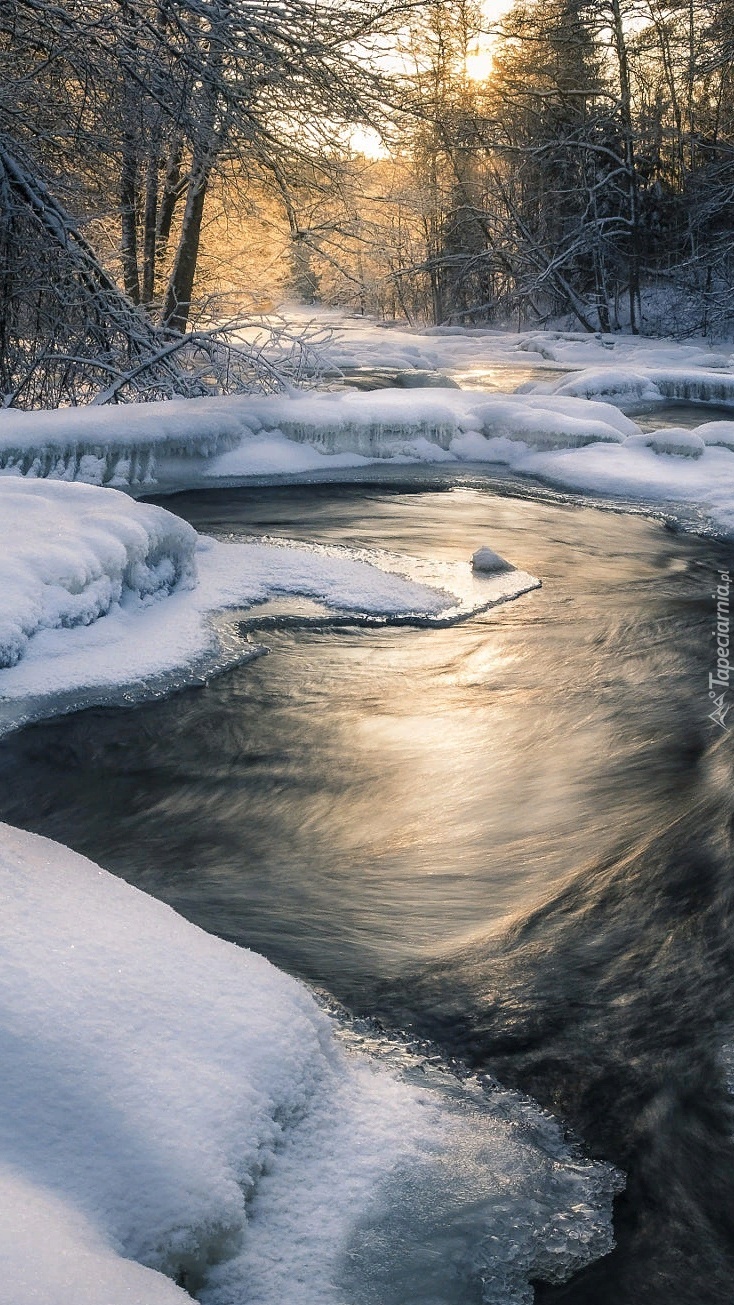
x,y
367,141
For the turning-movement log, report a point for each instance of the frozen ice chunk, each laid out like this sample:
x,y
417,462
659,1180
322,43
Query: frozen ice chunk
x,y
486,560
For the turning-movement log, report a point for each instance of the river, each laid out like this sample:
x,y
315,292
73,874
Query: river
x,y
508,836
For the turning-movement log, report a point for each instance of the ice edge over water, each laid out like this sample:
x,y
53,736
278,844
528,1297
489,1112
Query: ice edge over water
x,y
103,599
570,432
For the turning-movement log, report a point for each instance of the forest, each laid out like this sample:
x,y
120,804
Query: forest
x,y
171,169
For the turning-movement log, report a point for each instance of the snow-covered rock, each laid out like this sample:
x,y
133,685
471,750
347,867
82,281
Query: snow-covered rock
x,y
674,440
629,388
485,559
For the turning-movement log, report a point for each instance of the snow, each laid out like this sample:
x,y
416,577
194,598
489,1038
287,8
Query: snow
x,y
173,1107
629,388
361,342
99,593
541,429
704,485
325,435
240,437
70,558
485,559
676,440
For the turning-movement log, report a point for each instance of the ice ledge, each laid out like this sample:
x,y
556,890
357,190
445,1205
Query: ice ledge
x,y
104,598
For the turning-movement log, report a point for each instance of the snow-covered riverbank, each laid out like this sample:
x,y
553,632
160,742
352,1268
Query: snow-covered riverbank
x,y
175,1109
574,431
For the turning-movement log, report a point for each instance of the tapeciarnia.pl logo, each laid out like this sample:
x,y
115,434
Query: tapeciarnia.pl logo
x,y
719,682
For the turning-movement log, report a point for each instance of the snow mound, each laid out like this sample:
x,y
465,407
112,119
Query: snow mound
x,y
549,424
610,383
69,558
171,1101
675,440
629,388
484,559
717,434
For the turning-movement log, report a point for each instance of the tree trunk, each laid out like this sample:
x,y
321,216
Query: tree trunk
x,y
170,195
625,87
128,217
177,304
150,220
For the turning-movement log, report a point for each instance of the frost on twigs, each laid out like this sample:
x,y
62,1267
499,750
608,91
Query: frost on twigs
x,y
490,563
71,337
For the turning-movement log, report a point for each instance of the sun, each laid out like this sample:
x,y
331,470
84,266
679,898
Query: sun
x,y
367,141
478,63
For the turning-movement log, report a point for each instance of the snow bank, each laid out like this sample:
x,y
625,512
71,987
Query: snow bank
x,y
629,388
100,593
581,350
115,445
69,558
693,486
278,434
173,1108
537,430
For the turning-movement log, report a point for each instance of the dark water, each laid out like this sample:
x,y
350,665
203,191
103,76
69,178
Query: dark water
x,y
512,836
688,415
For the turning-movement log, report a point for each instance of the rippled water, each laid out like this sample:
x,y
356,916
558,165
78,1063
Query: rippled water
x,y
510,836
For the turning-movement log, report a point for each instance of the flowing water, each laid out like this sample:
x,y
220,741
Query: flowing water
x,y
510,836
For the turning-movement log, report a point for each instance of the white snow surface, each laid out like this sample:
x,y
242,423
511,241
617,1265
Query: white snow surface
x,y
99,592
173,1107
70,557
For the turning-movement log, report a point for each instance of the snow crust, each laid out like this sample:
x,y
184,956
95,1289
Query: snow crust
x,y
101,593
173,1107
